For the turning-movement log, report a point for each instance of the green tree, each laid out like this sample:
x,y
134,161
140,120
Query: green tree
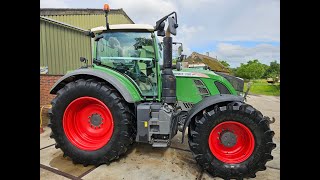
x,y
273,70
234,71
252,70
266,67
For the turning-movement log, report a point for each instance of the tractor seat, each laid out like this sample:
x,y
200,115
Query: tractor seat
x,y
115,44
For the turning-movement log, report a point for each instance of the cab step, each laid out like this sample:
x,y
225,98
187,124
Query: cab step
x,y
160,143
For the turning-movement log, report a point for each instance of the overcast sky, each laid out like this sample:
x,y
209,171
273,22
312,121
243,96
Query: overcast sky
x,y
231,30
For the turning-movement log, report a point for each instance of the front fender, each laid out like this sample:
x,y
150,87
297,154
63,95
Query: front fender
x,y
206,102
122,84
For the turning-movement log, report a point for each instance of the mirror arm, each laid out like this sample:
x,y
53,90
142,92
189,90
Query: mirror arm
x,y
164,18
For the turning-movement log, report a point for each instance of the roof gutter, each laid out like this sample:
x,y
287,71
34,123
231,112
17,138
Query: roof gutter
x,y
73,11
62,24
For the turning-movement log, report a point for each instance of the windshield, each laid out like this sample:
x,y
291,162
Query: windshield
x,y
131,53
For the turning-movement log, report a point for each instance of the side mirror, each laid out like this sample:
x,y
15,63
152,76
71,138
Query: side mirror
x,y
173,24
161,31
179,66
180,49
172,27
83,59
182,57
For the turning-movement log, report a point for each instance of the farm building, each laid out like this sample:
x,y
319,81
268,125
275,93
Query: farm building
x,y
196,59
63,42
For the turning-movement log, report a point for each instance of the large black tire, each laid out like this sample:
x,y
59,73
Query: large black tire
x,y
123,133
200,129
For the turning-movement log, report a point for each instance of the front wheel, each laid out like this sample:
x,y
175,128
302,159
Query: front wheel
x,y
231,141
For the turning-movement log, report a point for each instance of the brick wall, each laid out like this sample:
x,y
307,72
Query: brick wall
x,y
46,83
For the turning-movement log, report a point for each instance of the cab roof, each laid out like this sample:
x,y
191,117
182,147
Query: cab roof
x,y
124,27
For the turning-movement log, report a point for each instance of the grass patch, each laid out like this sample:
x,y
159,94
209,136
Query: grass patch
x,y
262,87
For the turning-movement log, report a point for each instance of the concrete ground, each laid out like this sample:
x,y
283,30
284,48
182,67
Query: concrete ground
x,y
144,162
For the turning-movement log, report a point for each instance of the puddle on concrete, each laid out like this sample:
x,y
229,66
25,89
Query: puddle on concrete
x,y
139,159
66,165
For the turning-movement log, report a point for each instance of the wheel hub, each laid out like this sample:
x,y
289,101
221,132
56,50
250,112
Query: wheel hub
x,y
88,123
228,138
231,142
95,120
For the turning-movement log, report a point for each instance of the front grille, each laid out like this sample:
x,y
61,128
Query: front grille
x,y
222,88
198,82
203,90
236,82
188,105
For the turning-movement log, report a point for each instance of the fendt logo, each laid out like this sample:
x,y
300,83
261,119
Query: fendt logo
x,y
190,74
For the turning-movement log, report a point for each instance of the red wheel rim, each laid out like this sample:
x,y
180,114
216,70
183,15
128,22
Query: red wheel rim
x,y
243,143
88,123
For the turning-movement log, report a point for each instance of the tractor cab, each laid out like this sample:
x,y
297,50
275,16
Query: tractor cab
x,y
135,51
129,49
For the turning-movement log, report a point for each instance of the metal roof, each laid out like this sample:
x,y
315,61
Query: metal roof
x,y
61,24
73,11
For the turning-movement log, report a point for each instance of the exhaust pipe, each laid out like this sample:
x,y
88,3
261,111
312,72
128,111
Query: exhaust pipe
x,y
168,78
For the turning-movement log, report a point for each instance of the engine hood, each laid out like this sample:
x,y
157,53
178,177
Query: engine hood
x,y
236,82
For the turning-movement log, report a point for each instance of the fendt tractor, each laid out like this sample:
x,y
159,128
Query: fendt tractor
x,y
131,92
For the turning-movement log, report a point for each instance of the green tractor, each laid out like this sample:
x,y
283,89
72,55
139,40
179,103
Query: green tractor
x,y
131,93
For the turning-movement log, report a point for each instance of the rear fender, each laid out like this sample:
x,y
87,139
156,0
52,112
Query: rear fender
x,y
128,91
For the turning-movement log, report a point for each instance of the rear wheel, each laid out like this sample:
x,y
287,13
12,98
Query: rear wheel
x,y
231,141
91,122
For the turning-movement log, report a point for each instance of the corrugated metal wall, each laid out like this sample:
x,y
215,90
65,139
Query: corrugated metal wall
x,y
62,47
90,21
